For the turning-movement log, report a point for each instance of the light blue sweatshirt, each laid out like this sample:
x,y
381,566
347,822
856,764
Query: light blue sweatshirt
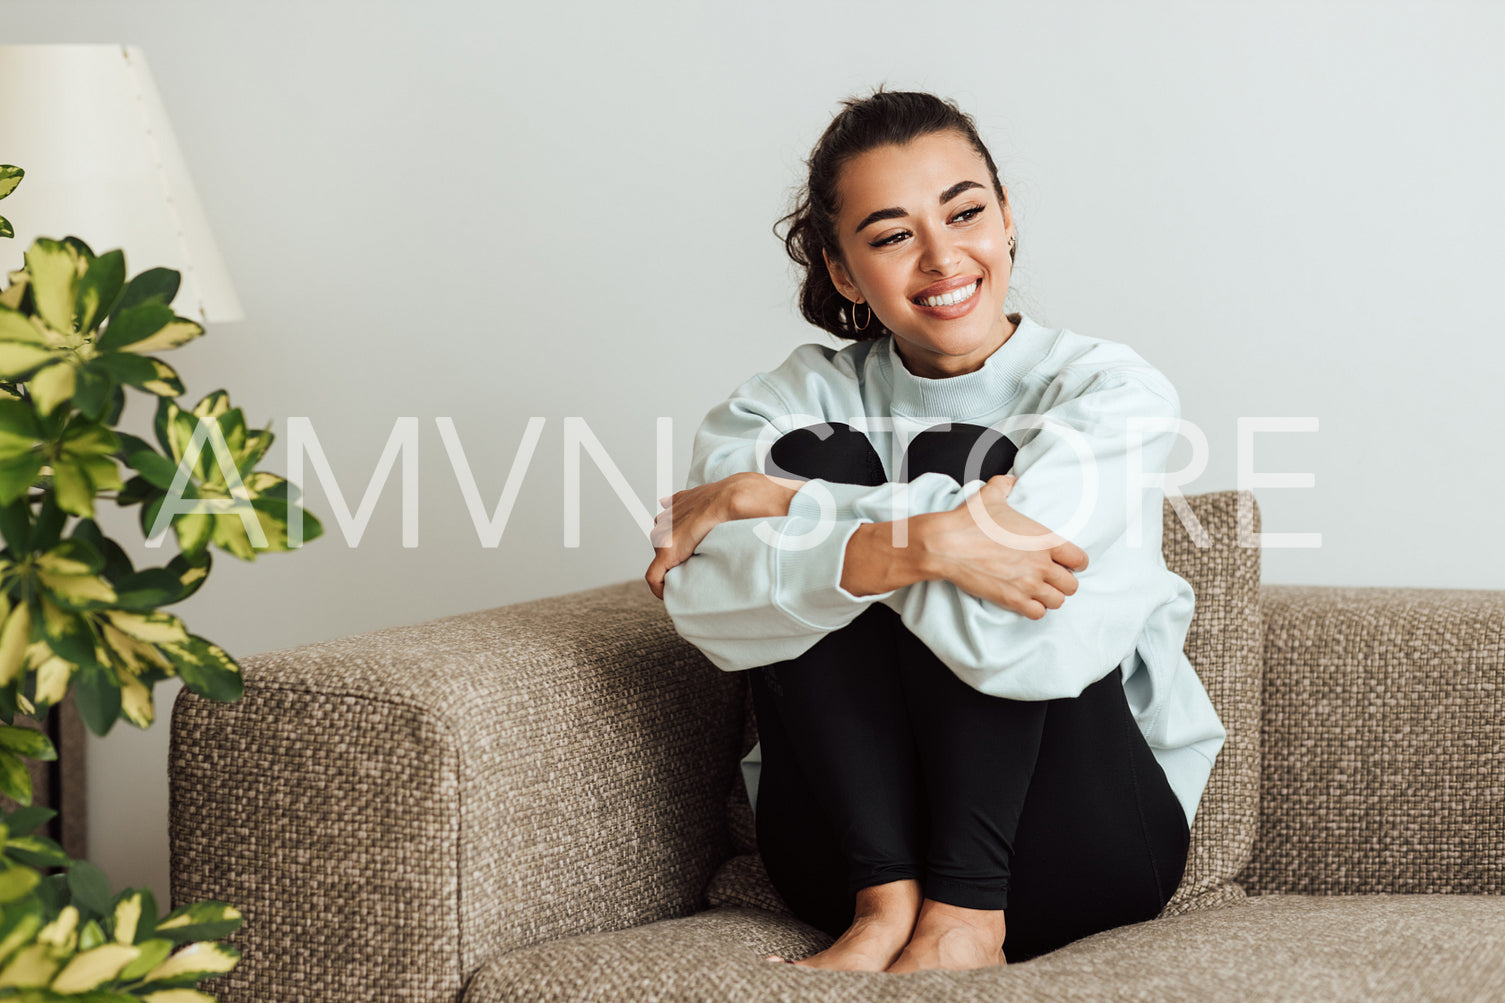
x,y
1094,424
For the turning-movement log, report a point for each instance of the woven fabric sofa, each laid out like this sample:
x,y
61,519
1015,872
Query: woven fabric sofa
x,y
543,802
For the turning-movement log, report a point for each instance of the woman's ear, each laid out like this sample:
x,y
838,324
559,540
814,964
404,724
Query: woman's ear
x,y
839,277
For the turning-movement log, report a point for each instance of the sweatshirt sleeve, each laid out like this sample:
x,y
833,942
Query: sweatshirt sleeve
x,y
764,590
1093,474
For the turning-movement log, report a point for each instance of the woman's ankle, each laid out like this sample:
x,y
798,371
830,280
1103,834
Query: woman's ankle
x,y
891,902
933,914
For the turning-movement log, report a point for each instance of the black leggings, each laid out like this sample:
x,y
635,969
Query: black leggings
x,y
880,764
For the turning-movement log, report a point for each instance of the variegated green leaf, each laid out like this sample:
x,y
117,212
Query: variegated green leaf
x,y
153,953
16,326
71,557
212,404
91,439
36,851
15,635
179,332
193,532
158,470
179,995
17,418
52,386
206,669
164,382
92,389
155,285
18,474
258,441
28,742
102,472
19,922
15,779
71,485
127,916
90,935
54,268
100,284
10,176
17,880
91,969
15,294
63,930
135,700
134,325
200,959
154,627
19,361
33,966
77,591
53,677
67,632
147,589
230,534
13,445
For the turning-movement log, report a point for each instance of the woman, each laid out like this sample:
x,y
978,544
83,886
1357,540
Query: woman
x,y
938,551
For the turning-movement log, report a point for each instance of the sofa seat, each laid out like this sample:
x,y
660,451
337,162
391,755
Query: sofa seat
x,y
1267,947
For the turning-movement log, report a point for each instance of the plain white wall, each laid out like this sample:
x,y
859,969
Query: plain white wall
x,y
494,212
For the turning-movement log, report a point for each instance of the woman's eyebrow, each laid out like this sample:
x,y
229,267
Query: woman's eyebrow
x,y
896,212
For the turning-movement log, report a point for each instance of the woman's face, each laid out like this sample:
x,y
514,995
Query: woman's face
x,y
916,221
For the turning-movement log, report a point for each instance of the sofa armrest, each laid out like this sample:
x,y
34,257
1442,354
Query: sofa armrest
x,y
391,809
1384,741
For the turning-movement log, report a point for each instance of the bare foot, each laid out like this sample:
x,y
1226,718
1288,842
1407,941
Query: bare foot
x,y
948,936
885,918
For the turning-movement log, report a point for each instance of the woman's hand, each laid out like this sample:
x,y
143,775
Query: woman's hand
x,y
1027,581
690,514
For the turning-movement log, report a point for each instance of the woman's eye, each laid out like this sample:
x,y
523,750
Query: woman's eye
x,y
966,215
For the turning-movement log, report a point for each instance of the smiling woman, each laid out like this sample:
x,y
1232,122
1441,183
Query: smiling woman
x,y
937,553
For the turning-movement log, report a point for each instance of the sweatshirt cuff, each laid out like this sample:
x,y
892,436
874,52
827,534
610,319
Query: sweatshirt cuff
x,y
808,561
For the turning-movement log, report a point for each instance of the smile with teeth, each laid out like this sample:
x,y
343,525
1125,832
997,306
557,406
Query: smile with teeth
x,y
952,298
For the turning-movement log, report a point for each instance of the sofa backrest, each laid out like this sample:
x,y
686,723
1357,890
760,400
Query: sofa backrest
x,y
1383,742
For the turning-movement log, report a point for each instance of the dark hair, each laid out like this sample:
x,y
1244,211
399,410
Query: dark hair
x,y
884,118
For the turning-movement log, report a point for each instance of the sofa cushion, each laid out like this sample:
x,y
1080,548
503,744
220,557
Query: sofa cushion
x,y
1384,732
1276,947
1223,644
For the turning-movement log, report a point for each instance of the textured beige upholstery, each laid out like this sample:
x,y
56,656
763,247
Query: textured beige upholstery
x,y
530,802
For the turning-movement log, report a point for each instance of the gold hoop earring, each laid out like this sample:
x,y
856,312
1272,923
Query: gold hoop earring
x,y
864,323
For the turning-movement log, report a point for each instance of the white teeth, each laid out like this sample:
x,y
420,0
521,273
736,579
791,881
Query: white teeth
x,y
954,297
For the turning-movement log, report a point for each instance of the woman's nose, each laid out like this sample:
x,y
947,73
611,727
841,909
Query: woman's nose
x,y
939,255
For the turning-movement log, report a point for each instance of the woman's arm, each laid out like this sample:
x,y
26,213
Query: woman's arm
x,y
871,563
1126,423
767,587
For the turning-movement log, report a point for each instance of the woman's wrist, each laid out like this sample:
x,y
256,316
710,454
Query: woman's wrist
x,y
761,496
874,563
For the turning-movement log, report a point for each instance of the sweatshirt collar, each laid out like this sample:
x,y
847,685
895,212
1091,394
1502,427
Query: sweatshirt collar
x,y
971,395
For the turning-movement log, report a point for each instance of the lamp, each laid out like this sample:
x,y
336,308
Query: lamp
x,y
87,125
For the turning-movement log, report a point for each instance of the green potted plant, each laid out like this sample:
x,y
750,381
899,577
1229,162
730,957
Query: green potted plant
x,y
75,614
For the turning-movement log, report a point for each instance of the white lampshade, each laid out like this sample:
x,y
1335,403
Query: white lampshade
x,y
86,124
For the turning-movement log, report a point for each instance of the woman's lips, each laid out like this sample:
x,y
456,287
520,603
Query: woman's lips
x,y
955,310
